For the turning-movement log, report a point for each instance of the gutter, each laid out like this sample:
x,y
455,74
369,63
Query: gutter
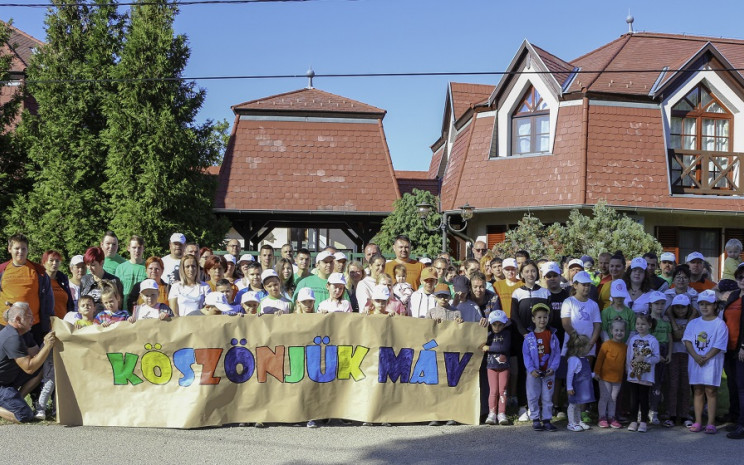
x,y
622,208
301,212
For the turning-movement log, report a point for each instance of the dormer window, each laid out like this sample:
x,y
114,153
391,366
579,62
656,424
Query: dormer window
x,y
531,125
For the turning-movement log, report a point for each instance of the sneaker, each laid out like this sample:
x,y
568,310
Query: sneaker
x,y
642,427
615,424
312,424
688,423
653,418
435,423
40,414
491,418
386,424
633,426
738,433
503,421
559,416
603,423
584,426
524,414
585,417
537,426
575,428
259,425
366,423
548,426
452,423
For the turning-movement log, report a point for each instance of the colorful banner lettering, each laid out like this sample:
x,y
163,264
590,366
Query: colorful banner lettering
x,y
213,370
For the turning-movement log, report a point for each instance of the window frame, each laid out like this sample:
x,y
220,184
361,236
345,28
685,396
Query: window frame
x,y
536,115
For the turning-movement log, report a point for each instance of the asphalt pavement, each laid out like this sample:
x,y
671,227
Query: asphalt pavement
x,y
337,444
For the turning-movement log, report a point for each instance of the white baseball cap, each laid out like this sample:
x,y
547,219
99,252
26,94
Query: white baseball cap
x,y
497,316
249,296
576,262
425,260
582,277
668,257
76,260
695,256
322,256
219,300
380,292
270,273
618,289
681,299
230,258
337,278
509,262
148,284
339,256
550,267
707,295
639,262
246,257
178,237
305,293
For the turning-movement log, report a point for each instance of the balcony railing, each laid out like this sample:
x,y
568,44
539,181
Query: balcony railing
x,y
706,173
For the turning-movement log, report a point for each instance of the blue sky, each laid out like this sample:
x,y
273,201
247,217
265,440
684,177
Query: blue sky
x,y
378,36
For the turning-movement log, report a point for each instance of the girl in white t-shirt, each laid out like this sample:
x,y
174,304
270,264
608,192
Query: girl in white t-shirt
x,y
705,339
335,302
186,297
580,315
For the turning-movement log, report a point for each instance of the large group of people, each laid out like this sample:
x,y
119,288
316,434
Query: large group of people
x,y
627,343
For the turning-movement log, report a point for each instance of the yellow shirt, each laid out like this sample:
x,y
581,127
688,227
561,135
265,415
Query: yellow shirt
x,y
505,288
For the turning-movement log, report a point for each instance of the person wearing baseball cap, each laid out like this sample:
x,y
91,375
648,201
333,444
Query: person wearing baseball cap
x,y
443,311
274,302
335,302
618,309
498,352
339,264
305,301
318,282
580,314
77,271
511,282
424,299
172,261
698,279
215,303
150,307
667,262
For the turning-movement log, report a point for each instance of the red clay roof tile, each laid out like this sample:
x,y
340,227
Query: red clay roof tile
x,y
307,100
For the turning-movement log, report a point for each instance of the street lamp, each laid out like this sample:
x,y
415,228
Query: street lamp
x,y
424,211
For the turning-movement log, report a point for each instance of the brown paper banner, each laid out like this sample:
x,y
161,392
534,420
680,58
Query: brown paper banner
x,y
214,370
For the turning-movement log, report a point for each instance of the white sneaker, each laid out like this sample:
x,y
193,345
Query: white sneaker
x,y
575,428
491,419
560,416
503,421
653,418
584,426
524,414
40,414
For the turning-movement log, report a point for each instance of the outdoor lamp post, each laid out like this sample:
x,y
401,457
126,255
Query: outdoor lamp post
x,y
424,211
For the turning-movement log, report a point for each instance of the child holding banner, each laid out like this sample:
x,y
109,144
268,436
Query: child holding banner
x,y
85,316
111,300
305,301
335,302
150,307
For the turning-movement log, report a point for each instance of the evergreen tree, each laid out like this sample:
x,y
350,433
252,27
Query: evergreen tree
x,y
12,157
404,219
66,208
157,154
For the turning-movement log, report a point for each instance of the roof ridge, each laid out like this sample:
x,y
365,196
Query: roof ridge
x,y
609,60
311,92
696,38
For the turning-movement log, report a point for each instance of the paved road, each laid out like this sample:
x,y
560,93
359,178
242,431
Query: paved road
x,y
409,445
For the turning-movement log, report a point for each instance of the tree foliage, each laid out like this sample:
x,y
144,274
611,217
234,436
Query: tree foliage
x,y
12,156
404,220
157,156
66,208
107,149
605,230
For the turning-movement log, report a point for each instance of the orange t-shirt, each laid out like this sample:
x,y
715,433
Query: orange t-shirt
x,y
732,317
60,300
504,289
21,284
701,286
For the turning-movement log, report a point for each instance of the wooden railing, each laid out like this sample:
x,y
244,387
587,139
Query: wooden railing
x,y
706,173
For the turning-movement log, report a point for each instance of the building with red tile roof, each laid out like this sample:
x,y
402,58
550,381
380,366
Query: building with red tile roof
x,y
306,160
21,47
651,123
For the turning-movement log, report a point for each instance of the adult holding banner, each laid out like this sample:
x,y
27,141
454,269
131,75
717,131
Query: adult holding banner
x,y
186,297
20,366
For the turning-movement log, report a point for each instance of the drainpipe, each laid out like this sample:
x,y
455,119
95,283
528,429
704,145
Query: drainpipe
x,y
584,149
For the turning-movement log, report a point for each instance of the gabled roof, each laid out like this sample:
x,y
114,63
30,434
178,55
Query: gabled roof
x,y
615,66
22,46
309,163
307,100
465,96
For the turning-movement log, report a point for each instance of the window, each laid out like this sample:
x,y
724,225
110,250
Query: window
x,y
531,125
700,123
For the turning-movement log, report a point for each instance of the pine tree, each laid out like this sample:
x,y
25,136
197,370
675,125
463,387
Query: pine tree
x,y
66,208
404,219
12,157
157,153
